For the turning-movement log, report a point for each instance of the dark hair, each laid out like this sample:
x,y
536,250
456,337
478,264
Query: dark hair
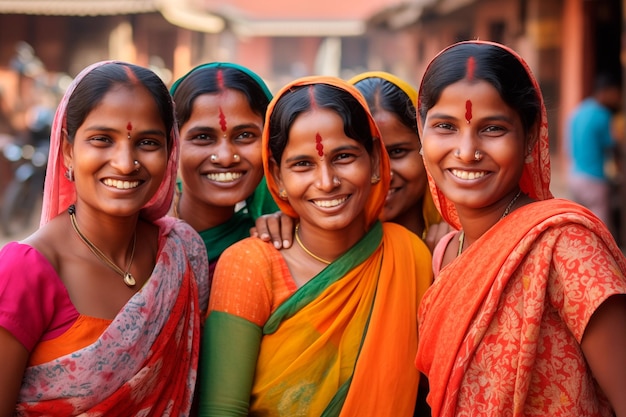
x,y
96,84
606,80
298,100
500,68
205,80
382,94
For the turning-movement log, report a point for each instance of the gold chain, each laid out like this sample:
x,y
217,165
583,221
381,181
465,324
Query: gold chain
x,y
129,280
507,210
311,254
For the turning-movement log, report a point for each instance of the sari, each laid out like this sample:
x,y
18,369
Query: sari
x,y
145,361
524,287
343,344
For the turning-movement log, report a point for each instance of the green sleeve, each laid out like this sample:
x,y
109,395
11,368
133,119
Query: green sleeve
x,y
230,350
261,201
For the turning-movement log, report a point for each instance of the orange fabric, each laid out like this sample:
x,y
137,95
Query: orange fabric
x,y
378,191
83,332
512,330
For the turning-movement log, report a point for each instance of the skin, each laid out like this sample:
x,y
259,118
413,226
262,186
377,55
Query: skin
x,y
332,216
496,130
409,182
103,158
212,189
481,190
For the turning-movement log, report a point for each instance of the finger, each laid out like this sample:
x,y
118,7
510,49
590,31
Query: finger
x,y
287,229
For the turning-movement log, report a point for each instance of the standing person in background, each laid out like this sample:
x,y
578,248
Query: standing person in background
x,y
392,102
220,109
100,308
329,325
527,313
591,143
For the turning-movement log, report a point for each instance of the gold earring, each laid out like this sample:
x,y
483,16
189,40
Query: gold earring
x,y
282,194
69,174
375,178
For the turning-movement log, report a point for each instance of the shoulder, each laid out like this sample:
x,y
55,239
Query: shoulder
x,y
248,250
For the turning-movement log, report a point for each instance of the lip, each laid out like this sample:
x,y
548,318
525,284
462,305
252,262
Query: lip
x,y
332,203
225,177
121,184
468,174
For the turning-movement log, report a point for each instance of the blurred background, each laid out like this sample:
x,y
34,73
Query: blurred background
x,y
44,43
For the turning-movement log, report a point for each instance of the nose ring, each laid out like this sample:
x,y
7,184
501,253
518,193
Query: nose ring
x,y
236,157
213,158
137,166
478,155
336,181
457,153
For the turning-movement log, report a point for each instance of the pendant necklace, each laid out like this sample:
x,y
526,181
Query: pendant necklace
x,y
507,210
129,280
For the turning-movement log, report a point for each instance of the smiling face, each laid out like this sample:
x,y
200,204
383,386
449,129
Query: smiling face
x,y
409,181
450,145
104,151
220,158
327,192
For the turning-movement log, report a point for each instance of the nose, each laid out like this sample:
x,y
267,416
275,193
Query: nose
x,y
467,146
124,159
225,154
327,179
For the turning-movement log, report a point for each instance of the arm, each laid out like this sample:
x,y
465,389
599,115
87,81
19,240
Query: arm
x,y
277,227
14,358
604,346
227,365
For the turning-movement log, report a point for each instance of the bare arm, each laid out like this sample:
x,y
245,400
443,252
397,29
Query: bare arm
x,y
435,233
277,227
604,346
14,358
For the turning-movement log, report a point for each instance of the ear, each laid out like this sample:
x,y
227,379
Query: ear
x,y
531,139
375,158
67,149
275,172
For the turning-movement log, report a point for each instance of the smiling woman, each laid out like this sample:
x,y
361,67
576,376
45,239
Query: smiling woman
x,y
327,326
111,284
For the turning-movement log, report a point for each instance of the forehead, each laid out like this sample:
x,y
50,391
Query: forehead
x,y
323,121
233,102
483,95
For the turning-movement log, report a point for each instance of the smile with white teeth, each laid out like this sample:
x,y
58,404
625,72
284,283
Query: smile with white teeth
x,y
119,184
330,203
224,176
468,175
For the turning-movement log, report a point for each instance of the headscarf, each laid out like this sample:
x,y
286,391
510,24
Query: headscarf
x,y
376,199
245,70
535,179
429,210
59,192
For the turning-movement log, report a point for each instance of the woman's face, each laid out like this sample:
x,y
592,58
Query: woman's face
x,y
472,117
326,175
124,127
220,156
409,181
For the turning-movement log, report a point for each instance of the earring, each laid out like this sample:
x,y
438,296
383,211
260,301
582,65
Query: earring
x,y
422,151
69,174
137,166
282,194
375,178
457,153
336,181
478,155
236,157
213,158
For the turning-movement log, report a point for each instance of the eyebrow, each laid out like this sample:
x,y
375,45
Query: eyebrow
x,y
332,152
444,116
112,130
242,126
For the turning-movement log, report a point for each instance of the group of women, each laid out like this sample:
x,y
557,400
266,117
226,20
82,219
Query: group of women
x,y
146,292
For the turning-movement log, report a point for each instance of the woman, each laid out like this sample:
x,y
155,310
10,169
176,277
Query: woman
x,y
220,109
106,318
327,326
527,315
392,102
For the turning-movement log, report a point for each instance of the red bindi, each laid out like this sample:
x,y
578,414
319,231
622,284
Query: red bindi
x,y
222,118
318,145
129,127
468,110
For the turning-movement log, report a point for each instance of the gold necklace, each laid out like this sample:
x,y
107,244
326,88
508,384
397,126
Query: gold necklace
x,y
129,280
311,254
507,210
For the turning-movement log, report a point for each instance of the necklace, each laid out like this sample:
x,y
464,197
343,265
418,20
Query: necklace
x,y
129,280
507,210
304,248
